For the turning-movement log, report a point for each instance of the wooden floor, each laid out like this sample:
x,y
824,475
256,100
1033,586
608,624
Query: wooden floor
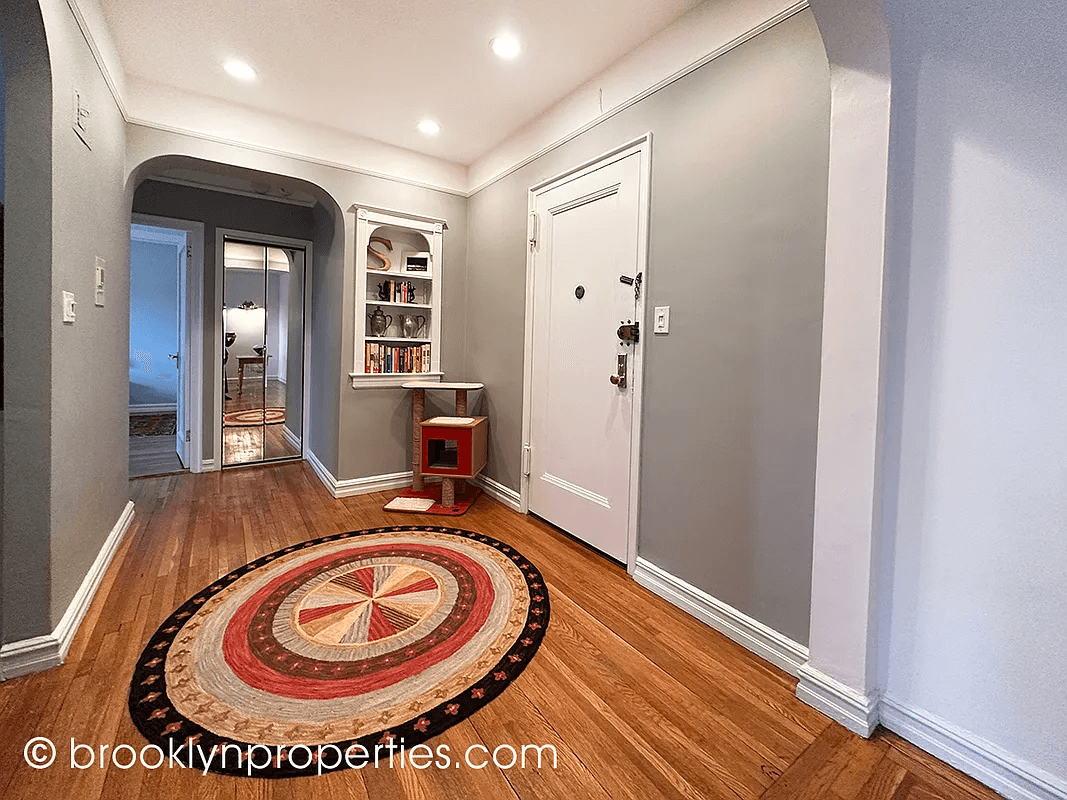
x,y
153,455
247,444
640,700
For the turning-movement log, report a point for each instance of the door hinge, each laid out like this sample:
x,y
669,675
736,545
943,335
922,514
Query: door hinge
x,y
188,435
533,229
527,457
188,251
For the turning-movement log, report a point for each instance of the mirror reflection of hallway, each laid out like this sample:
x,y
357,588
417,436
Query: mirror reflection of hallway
x,y
263,341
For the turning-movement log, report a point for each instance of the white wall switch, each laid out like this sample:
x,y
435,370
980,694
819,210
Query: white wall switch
x,y
98,276
662,320
69,306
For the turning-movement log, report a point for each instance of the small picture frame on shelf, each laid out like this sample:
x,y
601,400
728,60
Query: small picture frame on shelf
x,y
416,263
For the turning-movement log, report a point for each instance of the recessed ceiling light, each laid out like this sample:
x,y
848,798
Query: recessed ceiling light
x,y
505,46
239,69
429,127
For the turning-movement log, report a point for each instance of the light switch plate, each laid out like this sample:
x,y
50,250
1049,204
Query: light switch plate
x,y
662,320
69,306
98,277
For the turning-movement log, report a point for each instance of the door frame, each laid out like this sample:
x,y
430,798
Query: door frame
x,y
193,363
642,145
267,240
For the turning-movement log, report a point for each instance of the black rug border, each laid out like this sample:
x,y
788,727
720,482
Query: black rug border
x,y
150,680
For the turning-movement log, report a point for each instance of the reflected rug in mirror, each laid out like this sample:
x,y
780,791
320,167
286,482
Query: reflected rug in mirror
x,y
254,416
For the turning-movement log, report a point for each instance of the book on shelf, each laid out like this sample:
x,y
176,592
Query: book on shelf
x,y
395,359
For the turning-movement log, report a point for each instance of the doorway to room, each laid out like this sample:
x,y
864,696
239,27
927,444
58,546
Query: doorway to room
x,y
165,273
262,359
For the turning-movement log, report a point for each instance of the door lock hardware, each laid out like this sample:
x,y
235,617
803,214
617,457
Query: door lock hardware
x,y
634,282
630,332
619,378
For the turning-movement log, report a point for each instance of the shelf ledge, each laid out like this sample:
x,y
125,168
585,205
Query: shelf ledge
x,y
378,380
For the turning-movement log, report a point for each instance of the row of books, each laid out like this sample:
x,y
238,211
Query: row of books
x,y
388,358
397,292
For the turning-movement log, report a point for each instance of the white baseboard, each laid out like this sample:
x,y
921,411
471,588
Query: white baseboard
x,y
45,652
208,465
992,765
765,642
153,408
355,486
841,703
291,438
499,491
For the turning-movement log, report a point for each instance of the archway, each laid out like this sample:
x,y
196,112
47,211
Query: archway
x,y
167,181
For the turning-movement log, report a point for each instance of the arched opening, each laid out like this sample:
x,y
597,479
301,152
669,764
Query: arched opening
x,y
261,205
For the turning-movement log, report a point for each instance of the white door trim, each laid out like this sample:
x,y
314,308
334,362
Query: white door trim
x,y
194,326
268,241
643,146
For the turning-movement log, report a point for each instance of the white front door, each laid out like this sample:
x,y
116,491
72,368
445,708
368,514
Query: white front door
x,y
181,443
586,261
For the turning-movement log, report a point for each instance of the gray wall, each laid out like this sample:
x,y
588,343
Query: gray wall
x,y
974,511
740,155
3,93
220,210
26,529
64,480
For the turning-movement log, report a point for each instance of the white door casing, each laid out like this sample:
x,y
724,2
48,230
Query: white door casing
x,y
588,229
181,441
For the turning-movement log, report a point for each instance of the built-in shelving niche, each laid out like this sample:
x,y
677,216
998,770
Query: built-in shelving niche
x,y
409,286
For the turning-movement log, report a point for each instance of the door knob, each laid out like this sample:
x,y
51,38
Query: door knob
x,y
619,378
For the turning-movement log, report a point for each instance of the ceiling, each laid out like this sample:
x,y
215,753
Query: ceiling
x,y
376,69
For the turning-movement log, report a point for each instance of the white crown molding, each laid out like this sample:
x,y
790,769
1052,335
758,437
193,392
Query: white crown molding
x,y
98,54
500,492
229,190
841,703
355,486
992,765
272,151
44,652
734,43
751,634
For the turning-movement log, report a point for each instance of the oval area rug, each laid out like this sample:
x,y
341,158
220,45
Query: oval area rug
x,y
360,638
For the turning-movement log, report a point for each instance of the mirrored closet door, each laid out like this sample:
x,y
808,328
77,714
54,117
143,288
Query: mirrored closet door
x,y
263,357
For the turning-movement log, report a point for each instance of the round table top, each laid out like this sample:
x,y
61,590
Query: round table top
x,y
441,385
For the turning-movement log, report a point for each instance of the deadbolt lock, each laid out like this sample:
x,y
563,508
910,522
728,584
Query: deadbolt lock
x,y
630,333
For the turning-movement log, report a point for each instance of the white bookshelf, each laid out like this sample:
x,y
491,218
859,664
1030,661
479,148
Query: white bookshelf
x,y
420,239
